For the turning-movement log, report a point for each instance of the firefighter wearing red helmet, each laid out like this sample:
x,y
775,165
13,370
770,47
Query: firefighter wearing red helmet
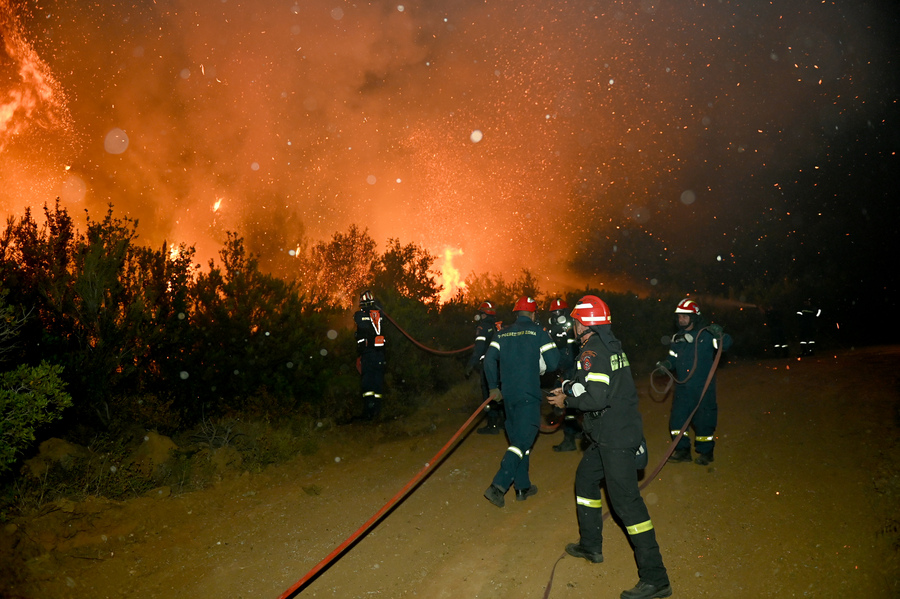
x,y
560,327
370,345
692,350
517,356
603,391
485,329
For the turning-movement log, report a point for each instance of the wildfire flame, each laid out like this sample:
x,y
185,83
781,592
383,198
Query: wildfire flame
x,y
450,277
35,99
217,205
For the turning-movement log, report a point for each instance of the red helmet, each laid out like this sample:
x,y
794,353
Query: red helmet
x,y
687,306
525,304
487,306
558,304
591,311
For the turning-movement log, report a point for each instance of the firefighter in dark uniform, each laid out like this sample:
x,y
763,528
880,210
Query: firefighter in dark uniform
x,y
560,327
603,390
779,340
518,356
691,353
808,317
370,345
487,326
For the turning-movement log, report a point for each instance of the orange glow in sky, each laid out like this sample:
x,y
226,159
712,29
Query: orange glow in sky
x,y
546,136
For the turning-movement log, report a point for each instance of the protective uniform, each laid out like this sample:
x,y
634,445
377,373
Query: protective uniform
x,y
370,345
807,328
517,356
687,393
779,340
603,390
484,333
559,325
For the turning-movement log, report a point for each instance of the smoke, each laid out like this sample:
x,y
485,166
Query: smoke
x,y
510,131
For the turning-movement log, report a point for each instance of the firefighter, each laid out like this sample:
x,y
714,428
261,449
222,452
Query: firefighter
x,y
487,326
691,353
560,327
603,391
808,317
370,345
779,341
518,356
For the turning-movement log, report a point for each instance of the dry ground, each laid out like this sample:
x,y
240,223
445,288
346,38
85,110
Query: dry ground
x,y
802,501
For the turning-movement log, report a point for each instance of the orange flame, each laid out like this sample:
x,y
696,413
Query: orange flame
x,y
36,99
450,277
217,205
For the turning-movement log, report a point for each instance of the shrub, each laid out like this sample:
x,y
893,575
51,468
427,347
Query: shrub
x,y
29,397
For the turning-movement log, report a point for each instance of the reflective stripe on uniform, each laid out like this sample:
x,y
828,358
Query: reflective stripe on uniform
x,y
700,439
639,528
496,345
586,502
548,347
675,432
515,450
672,353
597,377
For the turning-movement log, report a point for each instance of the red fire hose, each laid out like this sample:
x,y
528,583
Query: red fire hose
x,y
384,509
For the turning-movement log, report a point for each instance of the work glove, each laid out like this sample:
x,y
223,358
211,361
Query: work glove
x,y
495,395
664,364
715,329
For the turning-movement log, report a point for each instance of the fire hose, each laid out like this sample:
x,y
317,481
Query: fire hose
x,y
426,348
400,494
438,457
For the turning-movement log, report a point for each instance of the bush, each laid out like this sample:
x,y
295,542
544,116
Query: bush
x,y
29,397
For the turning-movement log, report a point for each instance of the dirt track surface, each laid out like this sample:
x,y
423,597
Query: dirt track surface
x,y
802,501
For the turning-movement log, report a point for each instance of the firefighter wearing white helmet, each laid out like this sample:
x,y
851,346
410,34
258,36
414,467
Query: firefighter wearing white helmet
x,y
485,329
518,355
370,345
692,350
603,390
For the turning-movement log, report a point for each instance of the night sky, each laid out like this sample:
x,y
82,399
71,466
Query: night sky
x,y
591,142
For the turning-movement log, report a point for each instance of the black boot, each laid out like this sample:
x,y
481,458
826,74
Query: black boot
x,y
645,590
568,444
705,458
680,455
576,550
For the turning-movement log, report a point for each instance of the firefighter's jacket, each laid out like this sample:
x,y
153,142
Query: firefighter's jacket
x,y
484,334
518,356
369,330
681,355
604,390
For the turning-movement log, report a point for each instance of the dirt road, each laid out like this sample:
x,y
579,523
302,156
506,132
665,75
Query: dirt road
x,y
803,500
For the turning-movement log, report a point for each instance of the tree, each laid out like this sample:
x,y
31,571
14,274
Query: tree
x,y
335,271
407,270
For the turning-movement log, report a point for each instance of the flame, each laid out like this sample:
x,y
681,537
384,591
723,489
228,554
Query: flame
x,y
450,277
217,205
35,100
173,252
